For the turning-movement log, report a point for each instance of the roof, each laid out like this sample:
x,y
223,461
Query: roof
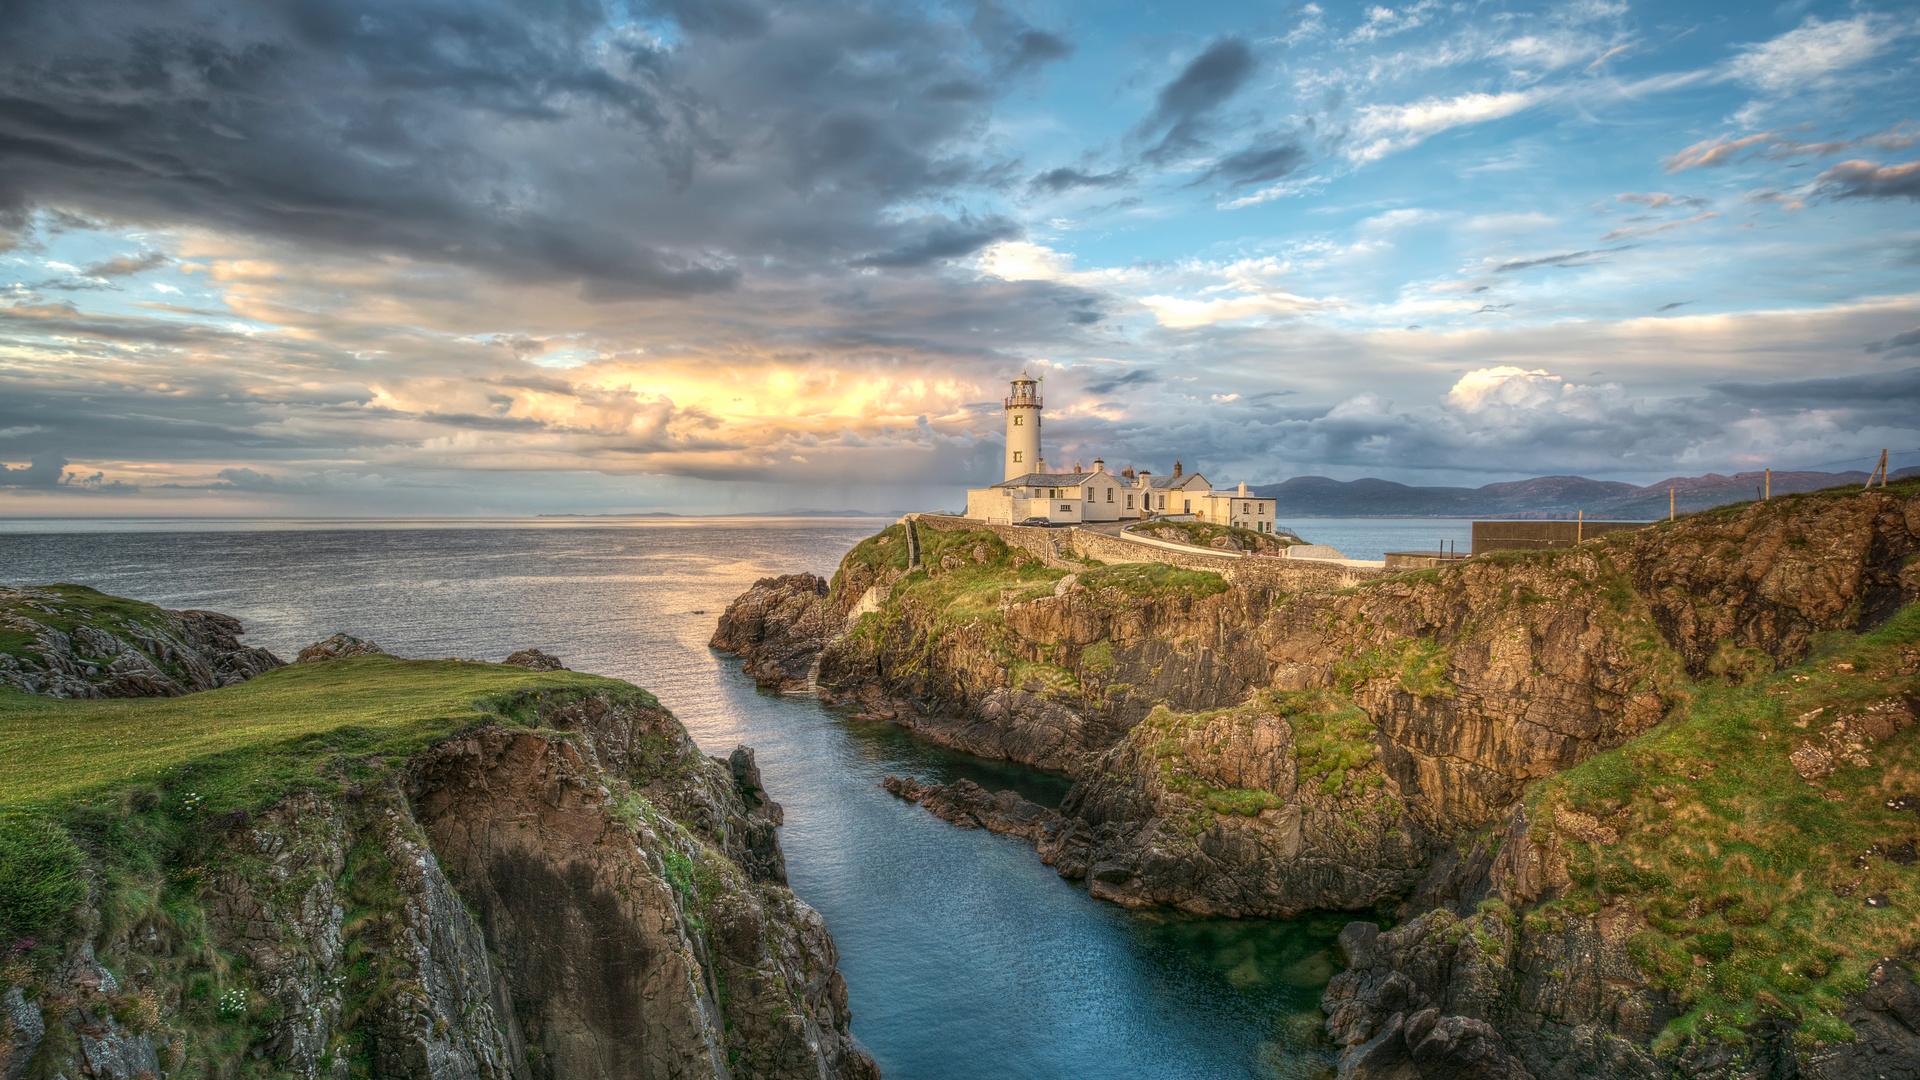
x,y
1049,479
1180,481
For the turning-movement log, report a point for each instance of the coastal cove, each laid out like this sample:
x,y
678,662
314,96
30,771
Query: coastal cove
x,y
963,955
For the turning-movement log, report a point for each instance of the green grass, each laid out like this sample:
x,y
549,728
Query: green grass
x,y
1732,858
1333,738
254,741
1150,580
1166,733
145,793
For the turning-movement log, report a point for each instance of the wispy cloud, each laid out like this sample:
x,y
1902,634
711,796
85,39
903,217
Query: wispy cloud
x,y
1379,130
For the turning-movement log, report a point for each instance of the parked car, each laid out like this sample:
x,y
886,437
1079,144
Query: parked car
x,y
1040,521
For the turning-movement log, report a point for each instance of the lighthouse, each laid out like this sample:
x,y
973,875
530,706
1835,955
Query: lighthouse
x,y
1023,427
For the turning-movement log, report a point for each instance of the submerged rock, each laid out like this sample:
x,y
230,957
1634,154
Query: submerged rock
x,y
970,806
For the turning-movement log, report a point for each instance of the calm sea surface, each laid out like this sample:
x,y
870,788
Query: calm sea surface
x,y
964,956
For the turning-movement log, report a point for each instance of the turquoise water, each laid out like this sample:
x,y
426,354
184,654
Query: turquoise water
x,y
963,955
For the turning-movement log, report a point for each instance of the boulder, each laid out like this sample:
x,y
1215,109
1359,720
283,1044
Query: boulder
x,y
338,647
535,660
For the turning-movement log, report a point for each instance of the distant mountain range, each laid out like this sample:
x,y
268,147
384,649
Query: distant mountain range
x,y
1543,497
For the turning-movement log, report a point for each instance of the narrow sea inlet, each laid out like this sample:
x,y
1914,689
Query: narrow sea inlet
x,y
963,955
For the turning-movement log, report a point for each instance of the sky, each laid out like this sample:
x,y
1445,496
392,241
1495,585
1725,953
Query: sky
x,y
477,257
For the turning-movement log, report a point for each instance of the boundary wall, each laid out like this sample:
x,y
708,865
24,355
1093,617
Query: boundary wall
x,y
1055,545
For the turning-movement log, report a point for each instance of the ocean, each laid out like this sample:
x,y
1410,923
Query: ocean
x,y
964,956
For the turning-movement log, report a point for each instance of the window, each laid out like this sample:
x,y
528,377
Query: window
x,y
1129,502
1163,502
1065,508
1017,418
1016,455
1109,494
1188,508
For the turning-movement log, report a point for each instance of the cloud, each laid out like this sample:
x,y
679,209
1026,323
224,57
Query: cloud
x,y
1671,306
1185,105
127,265
1656,200
46,471
1056,181
1811,53
1179,313
537,142
1136,377
1708,153
1485,388
1869,180
1379,130
1017,260
1257,164
940,237
1648,230
1565,261
1906,343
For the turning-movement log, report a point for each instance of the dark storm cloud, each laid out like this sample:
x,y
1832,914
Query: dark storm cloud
x,y
1906,343
1868,180
538,139
1187,104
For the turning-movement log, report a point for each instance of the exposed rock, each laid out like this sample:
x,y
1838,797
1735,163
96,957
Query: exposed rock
x,y
89,645
535,660
1474,680
1849,739
1886,1027
602,903
1210,815
779,625
970,806
24,1029
338,647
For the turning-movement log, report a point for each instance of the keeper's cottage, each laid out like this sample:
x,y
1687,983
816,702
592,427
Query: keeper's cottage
x,y
1032,494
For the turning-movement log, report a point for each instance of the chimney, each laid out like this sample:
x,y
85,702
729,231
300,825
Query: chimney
x,y
1176,468
1077,469
1243,488
1127,472
1099,465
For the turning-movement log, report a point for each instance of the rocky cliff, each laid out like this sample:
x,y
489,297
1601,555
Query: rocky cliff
x,y
434,869
71,641
1246,751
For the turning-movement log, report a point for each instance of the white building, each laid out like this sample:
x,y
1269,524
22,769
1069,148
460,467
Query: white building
x,y
1031,493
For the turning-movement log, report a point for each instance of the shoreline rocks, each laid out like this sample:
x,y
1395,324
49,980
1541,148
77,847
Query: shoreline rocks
x,y
86,644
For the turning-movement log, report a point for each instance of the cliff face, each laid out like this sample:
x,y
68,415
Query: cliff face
x,y
70,641
564,888
1242,750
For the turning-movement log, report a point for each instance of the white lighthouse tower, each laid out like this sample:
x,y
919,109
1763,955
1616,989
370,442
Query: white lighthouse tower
x,y
1023,427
